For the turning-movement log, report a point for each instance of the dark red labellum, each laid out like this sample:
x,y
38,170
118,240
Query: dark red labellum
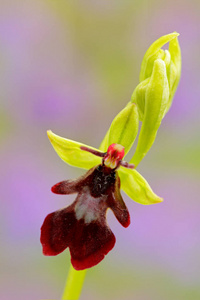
x,y
82,226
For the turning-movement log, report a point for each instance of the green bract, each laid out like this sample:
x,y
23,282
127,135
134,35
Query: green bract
x,y
152,98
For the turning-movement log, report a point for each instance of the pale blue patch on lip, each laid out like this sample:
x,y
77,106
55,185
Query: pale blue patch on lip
x,y
89,208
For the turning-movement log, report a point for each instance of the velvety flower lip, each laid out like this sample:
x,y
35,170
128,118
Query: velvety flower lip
x,y
82,226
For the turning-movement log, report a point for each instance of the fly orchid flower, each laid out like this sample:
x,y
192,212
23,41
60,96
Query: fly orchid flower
x,y
82,226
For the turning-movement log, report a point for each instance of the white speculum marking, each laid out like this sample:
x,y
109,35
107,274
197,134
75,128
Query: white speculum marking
x,y
88,207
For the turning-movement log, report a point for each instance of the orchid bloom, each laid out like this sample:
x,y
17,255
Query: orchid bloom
x,y
82,226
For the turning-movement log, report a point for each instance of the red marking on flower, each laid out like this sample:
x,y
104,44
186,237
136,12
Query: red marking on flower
x,y
114,155
116,151
82,226
112,158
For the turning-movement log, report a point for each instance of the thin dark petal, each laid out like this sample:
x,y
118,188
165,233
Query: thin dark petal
x,y
90,245
127,165
93,151
71,186
57,231
65,187
116,203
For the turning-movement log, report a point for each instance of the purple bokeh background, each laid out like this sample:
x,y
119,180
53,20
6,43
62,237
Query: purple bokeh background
x,y
71,66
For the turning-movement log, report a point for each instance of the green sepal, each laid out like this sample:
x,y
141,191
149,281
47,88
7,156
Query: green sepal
x,y
137,188
70,152
124,127
155,52
156,99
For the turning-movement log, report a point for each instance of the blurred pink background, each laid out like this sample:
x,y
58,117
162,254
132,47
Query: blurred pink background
x,y
71,66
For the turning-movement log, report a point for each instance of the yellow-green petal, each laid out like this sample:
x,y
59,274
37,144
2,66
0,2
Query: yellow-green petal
x,y
137,188
124,127
70,152
156,99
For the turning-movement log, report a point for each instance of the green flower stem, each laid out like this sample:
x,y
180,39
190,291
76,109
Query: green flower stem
x,y
74,284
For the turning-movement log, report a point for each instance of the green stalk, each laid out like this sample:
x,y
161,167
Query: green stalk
x,y
74,284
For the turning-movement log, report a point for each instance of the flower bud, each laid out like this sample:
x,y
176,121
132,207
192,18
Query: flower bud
x,y
155,97
139,97
159,77
171,57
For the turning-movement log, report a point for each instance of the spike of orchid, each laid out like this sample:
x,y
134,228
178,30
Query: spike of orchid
x,y
82,226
